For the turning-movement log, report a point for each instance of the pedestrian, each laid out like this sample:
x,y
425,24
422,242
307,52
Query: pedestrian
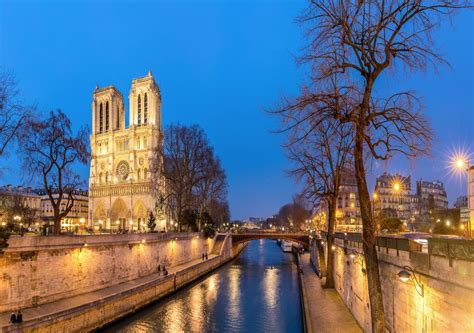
x,y
165,273
203,257
13,318
19,317
159,269
206,255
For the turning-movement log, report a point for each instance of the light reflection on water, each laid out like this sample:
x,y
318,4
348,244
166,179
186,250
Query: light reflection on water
x,y
256,292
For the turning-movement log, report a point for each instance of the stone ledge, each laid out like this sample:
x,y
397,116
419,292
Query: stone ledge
x,y
44,243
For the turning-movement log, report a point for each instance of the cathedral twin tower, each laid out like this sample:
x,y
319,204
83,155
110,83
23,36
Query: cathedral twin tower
x,y
120,184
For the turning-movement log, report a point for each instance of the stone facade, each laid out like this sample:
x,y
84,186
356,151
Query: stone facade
x,y
122,188
446,303
37,270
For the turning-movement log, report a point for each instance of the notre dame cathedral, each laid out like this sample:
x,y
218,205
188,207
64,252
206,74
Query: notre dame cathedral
x,y
121,186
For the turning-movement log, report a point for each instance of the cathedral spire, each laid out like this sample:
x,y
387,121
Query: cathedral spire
x,y
150,73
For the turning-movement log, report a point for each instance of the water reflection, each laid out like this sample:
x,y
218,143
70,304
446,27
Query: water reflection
x,y
256,292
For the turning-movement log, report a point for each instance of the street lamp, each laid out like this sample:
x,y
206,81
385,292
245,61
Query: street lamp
x,y
396,187
407,274
460,164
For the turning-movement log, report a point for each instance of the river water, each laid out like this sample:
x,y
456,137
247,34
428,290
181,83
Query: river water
x,y
256,292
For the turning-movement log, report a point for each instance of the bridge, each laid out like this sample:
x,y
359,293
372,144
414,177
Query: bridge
x,y
299,238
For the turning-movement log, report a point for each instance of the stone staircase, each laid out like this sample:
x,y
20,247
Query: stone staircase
x,y
219,242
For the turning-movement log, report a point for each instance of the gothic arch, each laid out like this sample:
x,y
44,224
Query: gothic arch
x,y
101,120
145,109
100,213
119,210
139,119
139,210
107,115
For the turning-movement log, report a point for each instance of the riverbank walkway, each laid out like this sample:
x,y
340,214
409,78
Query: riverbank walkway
x,y
325,309
70,303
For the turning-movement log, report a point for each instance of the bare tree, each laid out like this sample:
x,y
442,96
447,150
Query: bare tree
x,y
15,205
358,42
12,113
51,151
211,190
193,174
293,215
320,149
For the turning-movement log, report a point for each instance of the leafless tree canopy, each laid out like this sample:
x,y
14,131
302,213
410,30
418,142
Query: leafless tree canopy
x,y
12,113
50,151
195,180
351,44
12,205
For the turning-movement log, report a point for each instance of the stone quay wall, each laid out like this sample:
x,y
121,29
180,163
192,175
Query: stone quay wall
x,y
38,270
444,303
105,310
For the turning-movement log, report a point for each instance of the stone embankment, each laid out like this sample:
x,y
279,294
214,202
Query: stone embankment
x,y
132,283
439,296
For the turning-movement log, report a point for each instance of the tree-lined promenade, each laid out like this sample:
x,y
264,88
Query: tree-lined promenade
x,y
344,118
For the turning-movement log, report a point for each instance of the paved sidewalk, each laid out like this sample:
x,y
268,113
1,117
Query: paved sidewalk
x,y
90,297
326,310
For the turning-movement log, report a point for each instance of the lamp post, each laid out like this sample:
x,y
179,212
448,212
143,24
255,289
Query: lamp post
x,y
407,274
461,164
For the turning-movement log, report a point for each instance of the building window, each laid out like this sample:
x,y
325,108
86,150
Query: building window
x,y
118,118
107,116
145,109
145,142
139,110
101,114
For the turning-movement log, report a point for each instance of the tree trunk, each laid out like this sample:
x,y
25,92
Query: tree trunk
x,y
57,226
330,241
368,234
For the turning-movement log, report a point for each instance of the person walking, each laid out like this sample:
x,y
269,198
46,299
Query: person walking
x,y
206,256
203,257
19,317
13,318
159,270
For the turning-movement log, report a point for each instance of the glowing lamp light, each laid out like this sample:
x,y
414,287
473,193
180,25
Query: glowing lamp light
x,y
396,187
404,275
460,163
448,223
143,241
352,255
333,247
131,222
375,196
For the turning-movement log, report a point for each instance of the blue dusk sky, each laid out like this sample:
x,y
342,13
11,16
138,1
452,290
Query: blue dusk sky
x,y
218,64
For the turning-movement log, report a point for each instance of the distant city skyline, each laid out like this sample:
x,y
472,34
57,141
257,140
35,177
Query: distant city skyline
x,y
220,66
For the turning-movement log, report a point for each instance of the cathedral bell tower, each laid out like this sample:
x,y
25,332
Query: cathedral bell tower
x,y
145,102
108,111
122,188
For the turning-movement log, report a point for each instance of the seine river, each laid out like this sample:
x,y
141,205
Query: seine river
x,y
256,292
